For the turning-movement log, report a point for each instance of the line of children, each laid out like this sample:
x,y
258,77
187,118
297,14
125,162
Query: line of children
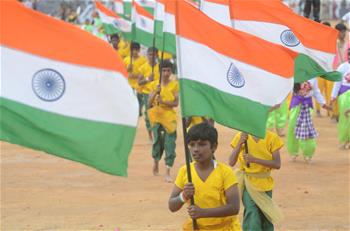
x,y
214,185
162,115
254,178
341,91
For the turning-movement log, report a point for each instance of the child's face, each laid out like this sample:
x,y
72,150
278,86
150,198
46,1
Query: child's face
x,y
151,56
305,88
135,52
166,72
201,150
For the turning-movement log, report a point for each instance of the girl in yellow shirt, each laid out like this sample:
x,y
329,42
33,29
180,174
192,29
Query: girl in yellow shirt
x,y
214,185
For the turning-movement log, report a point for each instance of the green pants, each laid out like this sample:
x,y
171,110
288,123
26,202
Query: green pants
x,y
308,147
278,118
139,99
344,122
253,217
163,141
145,102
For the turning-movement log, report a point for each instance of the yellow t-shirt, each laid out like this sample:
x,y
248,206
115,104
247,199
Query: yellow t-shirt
x,y
210,194
262,149
123,49
166,55
136,64
146,70
163,114
196,120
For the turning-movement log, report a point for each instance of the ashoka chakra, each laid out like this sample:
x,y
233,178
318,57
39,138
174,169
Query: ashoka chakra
x,y
48,85
234,77
289,39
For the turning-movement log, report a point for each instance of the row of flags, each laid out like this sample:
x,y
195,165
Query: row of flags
x,y
71,98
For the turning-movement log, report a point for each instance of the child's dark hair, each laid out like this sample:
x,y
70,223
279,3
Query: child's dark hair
x,y
202,131
340,27
115,36
296,87
152,49
167,64
135,46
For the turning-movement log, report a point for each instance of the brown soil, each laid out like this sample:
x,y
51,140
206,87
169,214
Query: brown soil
x,y
43,192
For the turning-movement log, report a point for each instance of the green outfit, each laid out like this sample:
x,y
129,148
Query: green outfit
x,y
344,122
278,118
253,218
308,147
144,102
163,141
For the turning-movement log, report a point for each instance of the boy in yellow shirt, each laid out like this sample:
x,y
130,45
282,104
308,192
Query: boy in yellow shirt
x,y
133,64
214,185
254,178
146,79
162,115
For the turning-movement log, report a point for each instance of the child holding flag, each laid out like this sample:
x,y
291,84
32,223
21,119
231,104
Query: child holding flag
x,y
133,62
164,97
254,178
214,185
149,73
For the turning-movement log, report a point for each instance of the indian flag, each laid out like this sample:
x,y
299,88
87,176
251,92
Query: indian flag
x,y
64,91
275,22
165,29
218,10
113,22
119,7
148,5
238,77
143,25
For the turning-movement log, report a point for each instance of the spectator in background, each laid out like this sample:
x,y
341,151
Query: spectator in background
x,y
316,7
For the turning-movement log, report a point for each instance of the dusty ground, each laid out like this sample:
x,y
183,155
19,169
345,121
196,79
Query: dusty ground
x,y
43,192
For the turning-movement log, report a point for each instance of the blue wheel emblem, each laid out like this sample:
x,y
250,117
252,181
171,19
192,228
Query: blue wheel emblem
x,y
143,22
289,39
116,23
48,85
234,77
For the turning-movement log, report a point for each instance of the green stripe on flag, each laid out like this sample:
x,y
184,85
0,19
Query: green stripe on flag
x,y
142,37
110,29
306,68
198,99
103,146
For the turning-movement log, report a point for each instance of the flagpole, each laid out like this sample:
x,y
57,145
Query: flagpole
x,y
184,131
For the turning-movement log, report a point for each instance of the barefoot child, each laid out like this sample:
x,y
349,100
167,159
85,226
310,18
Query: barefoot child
x,y
162,115
213,186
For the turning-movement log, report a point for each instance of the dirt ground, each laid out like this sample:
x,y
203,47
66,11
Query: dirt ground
x,y
43,192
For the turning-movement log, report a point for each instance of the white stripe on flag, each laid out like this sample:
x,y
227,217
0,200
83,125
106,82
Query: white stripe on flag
x,y
259,84
90,93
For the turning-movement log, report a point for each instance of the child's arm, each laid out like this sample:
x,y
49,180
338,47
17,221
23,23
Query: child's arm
x,y
173,103
274,163
235,152
231,207
152,96
179,197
